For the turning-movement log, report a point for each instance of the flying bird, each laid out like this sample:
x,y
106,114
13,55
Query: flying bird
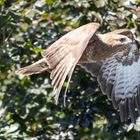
x,y
112,57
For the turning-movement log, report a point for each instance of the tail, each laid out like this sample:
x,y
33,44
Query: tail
x,y
35,68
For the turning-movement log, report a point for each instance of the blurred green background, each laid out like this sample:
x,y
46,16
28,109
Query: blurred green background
x,y
27,107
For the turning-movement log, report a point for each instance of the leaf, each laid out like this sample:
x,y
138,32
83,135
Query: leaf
x,y
49,2
37,50
1,2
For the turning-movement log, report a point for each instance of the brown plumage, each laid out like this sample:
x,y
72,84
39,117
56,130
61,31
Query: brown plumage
x,y
100,54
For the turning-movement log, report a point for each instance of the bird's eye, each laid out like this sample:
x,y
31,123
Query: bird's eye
x,y
122,39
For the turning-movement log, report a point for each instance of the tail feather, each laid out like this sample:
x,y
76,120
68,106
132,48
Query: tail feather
x,y
35,68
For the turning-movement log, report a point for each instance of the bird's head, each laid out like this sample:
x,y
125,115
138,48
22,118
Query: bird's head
x,y
116,40
117,43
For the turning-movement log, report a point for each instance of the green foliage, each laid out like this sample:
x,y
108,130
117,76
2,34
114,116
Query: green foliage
x,y
27,108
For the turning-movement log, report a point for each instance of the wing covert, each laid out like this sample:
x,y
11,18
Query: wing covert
x,y
120,81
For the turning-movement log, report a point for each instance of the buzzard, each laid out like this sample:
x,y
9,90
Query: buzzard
x,y
112,57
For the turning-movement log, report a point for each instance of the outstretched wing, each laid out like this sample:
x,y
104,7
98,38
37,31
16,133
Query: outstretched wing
x,y
120,81
63,55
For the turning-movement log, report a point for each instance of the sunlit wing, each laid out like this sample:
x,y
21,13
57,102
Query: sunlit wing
x,y
63,55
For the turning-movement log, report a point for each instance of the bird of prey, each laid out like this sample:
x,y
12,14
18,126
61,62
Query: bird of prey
x,y
112,57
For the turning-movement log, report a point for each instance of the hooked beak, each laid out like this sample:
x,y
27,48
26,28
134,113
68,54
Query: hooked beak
x,y
132,44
